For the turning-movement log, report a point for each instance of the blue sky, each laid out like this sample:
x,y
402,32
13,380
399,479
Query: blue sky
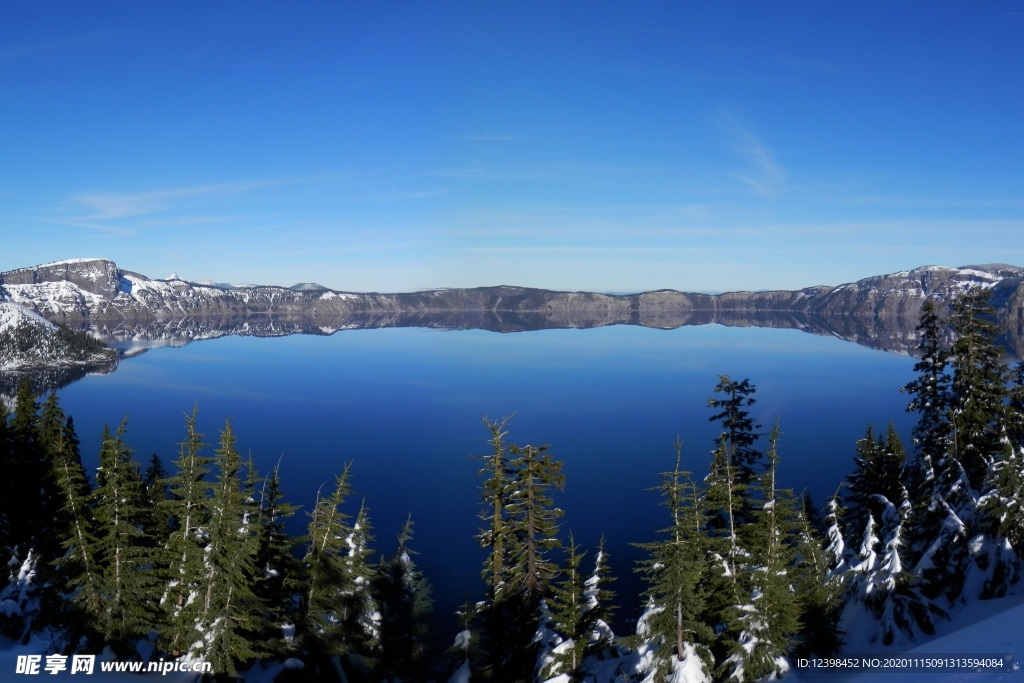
x,y
612,146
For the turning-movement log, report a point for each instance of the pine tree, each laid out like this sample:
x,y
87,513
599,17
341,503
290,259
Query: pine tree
x,y
26,474
877,478
278,569
77,572
819,598
127,583
495,490
567,603
189,510
769,620
161,521
738,436
930,392
322,625
676,620
357,608
230,613
599,604
978,389
7,508
403,595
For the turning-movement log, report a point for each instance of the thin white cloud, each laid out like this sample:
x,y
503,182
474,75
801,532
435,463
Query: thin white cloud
x,y
95,209
114,205
762,173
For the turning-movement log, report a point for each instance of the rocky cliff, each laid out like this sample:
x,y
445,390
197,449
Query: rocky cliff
x,y
880,311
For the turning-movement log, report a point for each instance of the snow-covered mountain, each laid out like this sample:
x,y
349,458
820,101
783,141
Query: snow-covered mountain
x,y
878,311
28,341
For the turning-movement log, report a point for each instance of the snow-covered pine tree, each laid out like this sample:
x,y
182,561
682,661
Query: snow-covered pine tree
x,y
357,607
599,606
883,601
878,470
979,564
278,571
130,590
229,613
189,510
533,532
818,597
329,628
674,634
725,588
978,389
564,651
402,594
770,618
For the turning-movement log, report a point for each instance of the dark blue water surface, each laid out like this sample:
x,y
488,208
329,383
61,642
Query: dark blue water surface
x,y
405,407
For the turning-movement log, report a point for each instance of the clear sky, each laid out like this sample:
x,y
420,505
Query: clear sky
x,y
611,146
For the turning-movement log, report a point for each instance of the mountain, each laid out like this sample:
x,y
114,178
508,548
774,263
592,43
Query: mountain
x,y
30,342
116,304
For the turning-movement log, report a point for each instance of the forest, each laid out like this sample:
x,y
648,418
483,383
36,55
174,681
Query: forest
x,y
192,561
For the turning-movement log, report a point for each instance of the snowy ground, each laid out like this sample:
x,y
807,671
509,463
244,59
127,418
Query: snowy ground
x,y
992,627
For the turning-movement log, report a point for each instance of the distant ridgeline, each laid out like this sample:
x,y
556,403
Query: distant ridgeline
x,y
881,312
193,562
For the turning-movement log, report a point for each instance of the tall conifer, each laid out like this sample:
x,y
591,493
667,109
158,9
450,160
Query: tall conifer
x,y
128,586
190,512
677,570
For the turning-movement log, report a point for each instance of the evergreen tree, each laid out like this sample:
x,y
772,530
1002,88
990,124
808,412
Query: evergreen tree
x,y
1015,417
533,532
521,532
769,620
930,392
1004,506
495,492
567,604
819,598
230,613
7,508
161,521
738,436
978,389
533,518
357,608
877,479
77,572
127,584
676,621
324,627
403,595
189,511
599,605
278,569
27,473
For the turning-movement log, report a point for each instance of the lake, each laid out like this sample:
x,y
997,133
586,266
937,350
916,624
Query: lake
x,y
404,405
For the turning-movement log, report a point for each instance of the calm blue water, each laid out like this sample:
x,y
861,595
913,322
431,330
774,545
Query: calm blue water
x,y
405,406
